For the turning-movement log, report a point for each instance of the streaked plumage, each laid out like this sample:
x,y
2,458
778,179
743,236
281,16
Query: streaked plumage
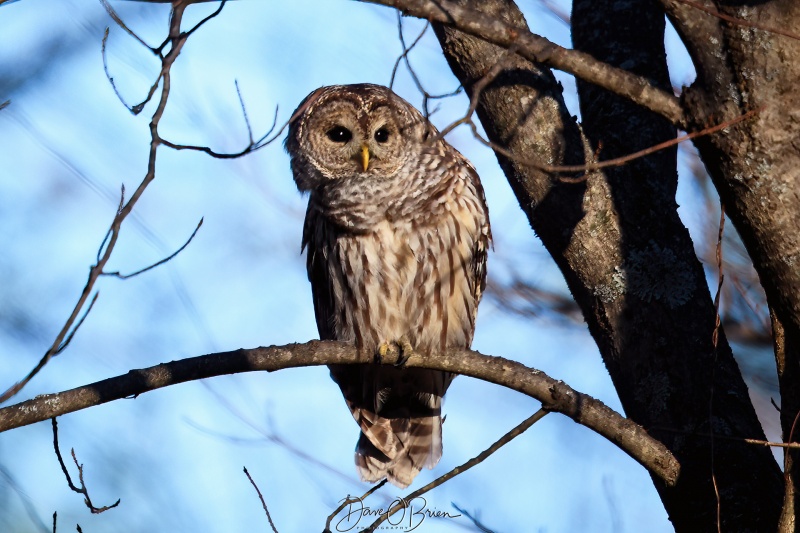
x,y
397,231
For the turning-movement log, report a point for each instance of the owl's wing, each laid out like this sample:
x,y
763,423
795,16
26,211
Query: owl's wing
x,y
477,270
314,234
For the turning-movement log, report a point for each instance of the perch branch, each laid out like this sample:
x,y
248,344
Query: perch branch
x,y
555,395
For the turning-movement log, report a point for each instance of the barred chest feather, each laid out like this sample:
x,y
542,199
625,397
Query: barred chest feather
x,y
409,268
402,280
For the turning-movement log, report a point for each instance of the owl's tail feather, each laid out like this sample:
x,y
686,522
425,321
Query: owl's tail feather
x,y
398,449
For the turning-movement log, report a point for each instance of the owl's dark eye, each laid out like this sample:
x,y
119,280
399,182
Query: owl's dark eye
x,y
339,134
382,135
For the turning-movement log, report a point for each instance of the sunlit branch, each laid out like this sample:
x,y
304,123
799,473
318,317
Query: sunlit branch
x,y
555,395
539,50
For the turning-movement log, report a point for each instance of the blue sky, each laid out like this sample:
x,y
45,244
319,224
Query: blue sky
x,y
175,456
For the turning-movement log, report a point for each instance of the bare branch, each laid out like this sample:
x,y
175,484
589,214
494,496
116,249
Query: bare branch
x,y
554,395
539,50
113,14
265,140
5,104
159,263
77,326
82,489
261,497
406,50
502,441
206,19
177,40
244,112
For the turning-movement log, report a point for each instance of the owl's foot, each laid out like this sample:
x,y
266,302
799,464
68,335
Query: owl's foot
x,y
403,345
383,351
406,351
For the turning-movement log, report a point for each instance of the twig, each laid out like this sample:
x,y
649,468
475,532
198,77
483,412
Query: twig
x,y
349,500
196,27
265,140
109,77
715,339
555,169
261,497
55,517
77,326
159,263
244,112
406,50
618,161
426,96
554,395
5,104
82,489
472,518
121,24
757,442
739,21
502,441
478,89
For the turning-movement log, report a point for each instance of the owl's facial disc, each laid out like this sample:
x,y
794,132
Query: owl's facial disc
x,y
348,139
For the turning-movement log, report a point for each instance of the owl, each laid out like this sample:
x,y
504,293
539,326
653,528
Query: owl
x,y
396,233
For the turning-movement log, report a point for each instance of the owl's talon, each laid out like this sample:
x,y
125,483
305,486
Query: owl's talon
x,y
406,351
383,350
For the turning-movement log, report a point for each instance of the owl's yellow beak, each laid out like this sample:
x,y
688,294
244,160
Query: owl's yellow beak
x,y
364,156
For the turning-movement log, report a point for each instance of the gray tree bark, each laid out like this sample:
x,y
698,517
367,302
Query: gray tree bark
x,y
756,166
628,260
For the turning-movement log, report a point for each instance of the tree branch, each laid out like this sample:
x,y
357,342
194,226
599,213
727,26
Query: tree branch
x,y
555,395
539,50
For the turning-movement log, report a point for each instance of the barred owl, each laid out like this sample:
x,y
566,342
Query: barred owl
x,y
397,231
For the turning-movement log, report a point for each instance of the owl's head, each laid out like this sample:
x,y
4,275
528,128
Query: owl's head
x,y
353,131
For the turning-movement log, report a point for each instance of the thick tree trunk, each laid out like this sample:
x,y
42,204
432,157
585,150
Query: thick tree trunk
x,y
702,386
629,261
756,165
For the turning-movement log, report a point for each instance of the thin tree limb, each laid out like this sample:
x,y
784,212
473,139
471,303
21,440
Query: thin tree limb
x,y
502,441
555,395
82,489
261,497
350,500
158,263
